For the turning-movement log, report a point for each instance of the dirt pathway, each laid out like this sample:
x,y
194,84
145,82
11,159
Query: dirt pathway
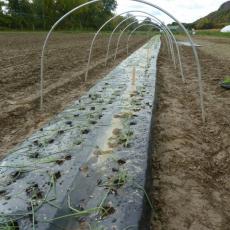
x,y
191,160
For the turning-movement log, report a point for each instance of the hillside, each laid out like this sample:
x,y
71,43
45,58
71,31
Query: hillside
x,y
217,19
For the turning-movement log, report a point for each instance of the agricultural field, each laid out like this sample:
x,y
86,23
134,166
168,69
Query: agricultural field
x,y
66,60
190,159
130,139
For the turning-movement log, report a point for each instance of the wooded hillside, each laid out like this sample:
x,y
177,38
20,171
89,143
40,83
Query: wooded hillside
x,y
217,19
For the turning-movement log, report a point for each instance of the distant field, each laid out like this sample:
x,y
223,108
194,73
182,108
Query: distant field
x,y
215,32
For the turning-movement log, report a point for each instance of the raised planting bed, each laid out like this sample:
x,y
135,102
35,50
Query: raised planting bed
x,y
87,167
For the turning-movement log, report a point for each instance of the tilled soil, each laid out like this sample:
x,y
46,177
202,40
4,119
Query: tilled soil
x,y
66,60
191,160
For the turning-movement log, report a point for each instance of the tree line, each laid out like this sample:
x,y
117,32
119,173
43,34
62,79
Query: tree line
x,y
42,14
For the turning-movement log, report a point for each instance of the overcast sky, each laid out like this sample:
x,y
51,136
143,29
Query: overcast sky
x,y
184,10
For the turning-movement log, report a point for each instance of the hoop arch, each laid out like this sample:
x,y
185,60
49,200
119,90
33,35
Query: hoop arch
x,y
95,36
139,1
168,38
110,38
168,32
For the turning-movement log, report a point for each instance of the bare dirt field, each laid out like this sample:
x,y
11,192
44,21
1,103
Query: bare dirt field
x,y
66,61
191,160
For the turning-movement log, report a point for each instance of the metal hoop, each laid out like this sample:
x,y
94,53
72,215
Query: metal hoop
x,y
169,40
139,1
110,38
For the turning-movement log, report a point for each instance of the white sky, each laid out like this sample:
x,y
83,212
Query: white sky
x,y
184,10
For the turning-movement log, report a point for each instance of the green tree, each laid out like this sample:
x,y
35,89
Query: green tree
x,y
20,12
1,7
41,14
5,21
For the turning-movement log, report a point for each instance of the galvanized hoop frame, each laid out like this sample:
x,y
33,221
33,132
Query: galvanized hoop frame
x,y
110,38
151,24
95,36
199,75
168,36
167,30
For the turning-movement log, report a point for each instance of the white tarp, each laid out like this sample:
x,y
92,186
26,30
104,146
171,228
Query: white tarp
x,y
225,29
